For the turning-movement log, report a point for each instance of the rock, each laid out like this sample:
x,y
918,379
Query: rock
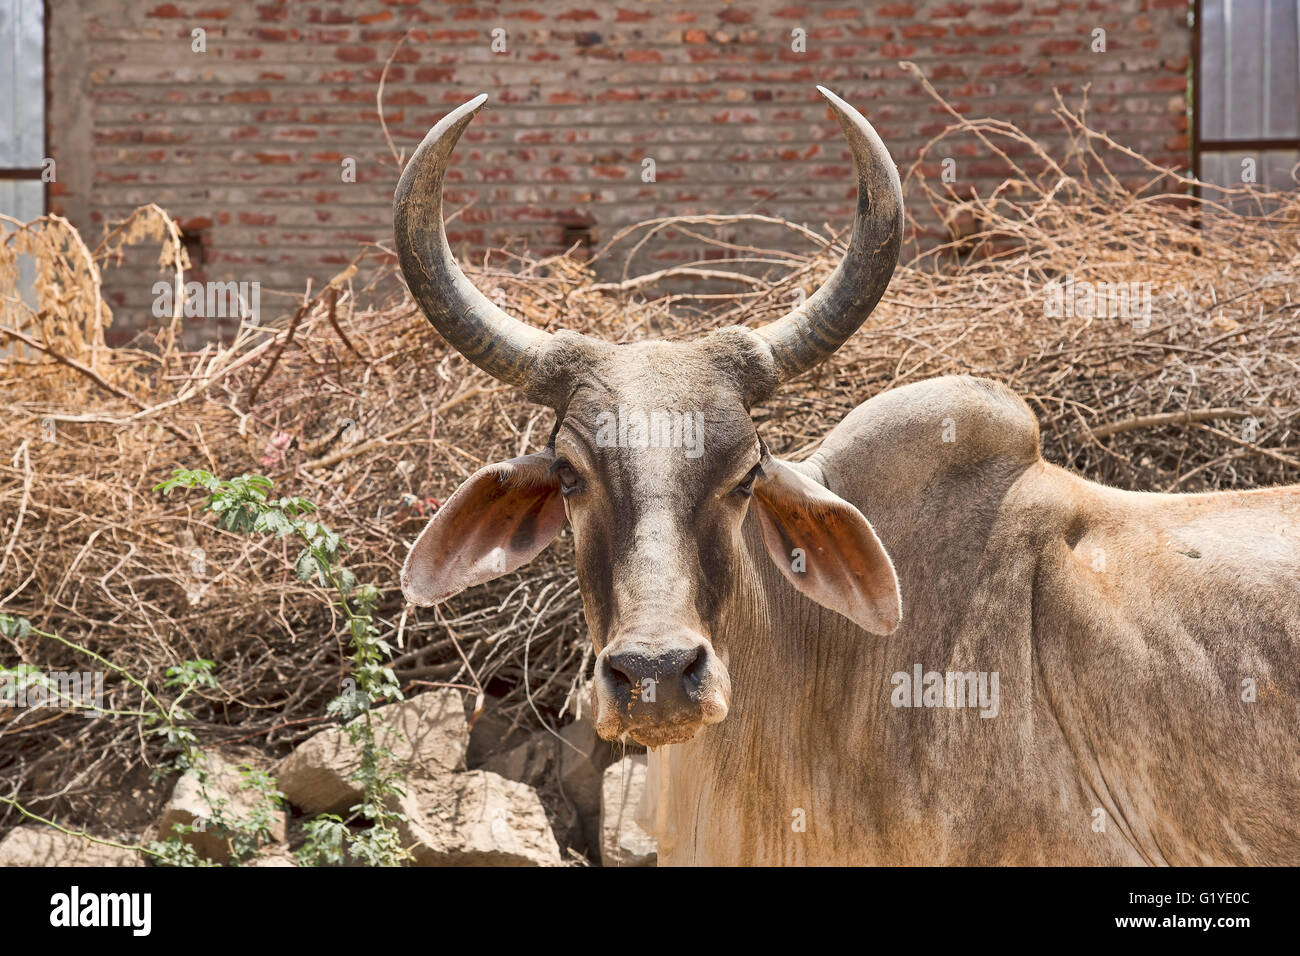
x,y
579,756
275,856
583,759
476,819
188,806
427,732
622,841
43,846
456,818
493,733
530,762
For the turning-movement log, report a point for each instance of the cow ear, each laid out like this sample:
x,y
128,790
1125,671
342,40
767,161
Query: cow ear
x,y
826,548
498,520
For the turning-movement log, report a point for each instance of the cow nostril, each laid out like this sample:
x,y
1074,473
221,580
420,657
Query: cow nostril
x,y
620,678
695,668
660,679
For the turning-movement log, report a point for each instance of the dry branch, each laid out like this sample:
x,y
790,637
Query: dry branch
x,y
91,552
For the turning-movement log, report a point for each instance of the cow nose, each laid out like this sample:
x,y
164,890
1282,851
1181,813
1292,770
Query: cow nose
x,y
641,672
660,688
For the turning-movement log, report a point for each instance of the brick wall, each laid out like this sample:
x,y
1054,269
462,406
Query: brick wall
x,y
244,143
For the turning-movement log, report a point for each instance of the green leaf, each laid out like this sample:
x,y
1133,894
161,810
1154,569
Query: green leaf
x,y
331,543
273,521
347,581
304,565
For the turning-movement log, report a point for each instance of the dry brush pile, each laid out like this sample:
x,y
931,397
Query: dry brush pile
x,y
364,410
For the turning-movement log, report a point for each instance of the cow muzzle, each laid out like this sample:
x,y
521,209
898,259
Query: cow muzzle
x,y
659,690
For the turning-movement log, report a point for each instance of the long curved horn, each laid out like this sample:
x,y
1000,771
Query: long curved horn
x,y
496,342
805,337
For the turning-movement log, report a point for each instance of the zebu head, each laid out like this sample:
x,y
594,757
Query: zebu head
x,y
654,462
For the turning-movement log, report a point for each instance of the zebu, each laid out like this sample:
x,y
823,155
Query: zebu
x,y
772,647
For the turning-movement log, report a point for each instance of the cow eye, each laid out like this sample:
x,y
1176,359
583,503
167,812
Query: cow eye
x,y
746,486
570,480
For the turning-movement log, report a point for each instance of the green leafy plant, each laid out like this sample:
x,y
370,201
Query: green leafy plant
x,y
326,836
245,836
244,504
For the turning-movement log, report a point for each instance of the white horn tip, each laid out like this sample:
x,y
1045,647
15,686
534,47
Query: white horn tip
x,y
844,109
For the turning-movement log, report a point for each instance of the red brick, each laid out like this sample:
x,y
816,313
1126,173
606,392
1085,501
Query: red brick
x,y
1048,47
897,50
355,54
915,31
248,96
599,88
1001,69
732,15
